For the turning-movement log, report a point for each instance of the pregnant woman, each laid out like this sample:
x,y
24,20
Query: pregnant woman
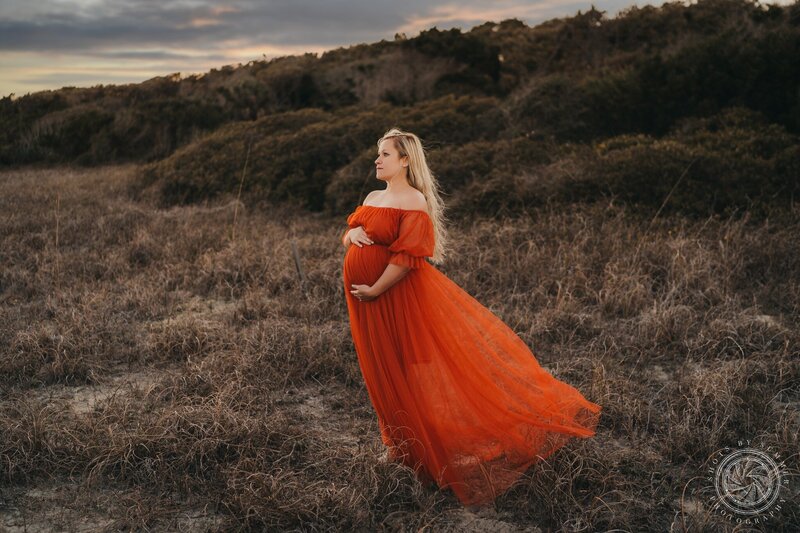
x,y
459,397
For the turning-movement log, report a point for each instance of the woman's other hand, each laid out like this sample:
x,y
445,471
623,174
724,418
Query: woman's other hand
x,y
359,237
365,293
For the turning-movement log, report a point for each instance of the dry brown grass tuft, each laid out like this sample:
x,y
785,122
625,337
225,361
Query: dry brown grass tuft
x,y
159,374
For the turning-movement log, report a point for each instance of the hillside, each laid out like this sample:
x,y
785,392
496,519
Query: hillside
x,y
513,101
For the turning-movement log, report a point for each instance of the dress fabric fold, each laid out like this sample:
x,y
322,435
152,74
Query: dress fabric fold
x,y
459,397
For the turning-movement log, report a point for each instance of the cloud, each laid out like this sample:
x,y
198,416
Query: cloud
x,y
159,55
201,24
72,78
466,16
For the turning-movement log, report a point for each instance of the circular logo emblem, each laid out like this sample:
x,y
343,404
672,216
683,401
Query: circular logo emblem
x,y
747,482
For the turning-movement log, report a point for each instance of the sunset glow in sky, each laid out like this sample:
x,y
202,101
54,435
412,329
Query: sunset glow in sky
x,y
49,44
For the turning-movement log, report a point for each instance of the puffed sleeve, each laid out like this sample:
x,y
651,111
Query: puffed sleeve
x,y
352,222
353,219
415,240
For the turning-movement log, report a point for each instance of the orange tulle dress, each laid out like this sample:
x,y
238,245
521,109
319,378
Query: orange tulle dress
x,y
459,397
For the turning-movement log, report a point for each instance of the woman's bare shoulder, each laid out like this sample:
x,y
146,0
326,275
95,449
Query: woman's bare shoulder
x,y
416,202
372,197
407,201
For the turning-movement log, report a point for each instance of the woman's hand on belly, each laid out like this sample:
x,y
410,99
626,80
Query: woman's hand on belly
x,y
359,236
365,293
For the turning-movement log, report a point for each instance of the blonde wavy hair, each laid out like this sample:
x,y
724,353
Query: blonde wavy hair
x,y
422,178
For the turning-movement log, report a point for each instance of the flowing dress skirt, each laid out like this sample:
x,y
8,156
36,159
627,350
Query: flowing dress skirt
x,y
459,397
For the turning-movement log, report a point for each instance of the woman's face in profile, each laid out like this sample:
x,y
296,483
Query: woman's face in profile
x,y
388,164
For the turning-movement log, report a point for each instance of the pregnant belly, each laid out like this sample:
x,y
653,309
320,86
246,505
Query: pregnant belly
x,y
366,264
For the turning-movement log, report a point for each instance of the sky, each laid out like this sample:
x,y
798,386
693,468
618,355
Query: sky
x,y
48,44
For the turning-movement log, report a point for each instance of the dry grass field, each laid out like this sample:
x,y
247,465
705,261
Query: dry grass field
x,y
166,370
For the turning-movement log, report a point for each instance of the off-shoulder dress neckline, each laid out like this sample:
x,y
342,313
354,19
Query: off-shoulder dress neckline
x,y
395,208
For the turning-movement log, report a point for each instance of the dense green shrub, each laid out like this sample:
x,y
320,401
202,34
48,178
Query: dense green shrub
x,y
18,115
65,135
725,165
298,162
732,162
741,65
479,55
